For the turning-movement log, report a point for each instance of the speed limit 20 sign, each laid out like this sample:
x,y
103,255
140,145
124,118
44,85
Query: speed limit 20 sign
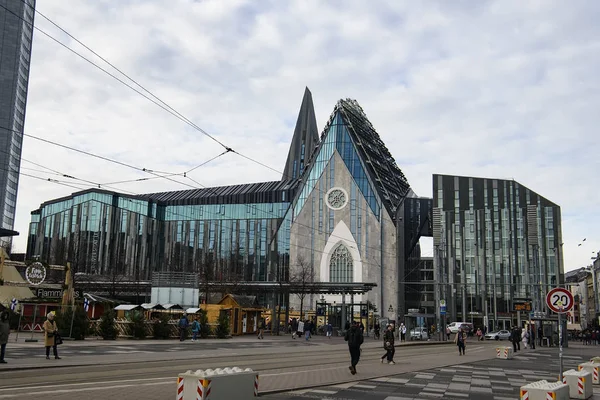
x,y
559,300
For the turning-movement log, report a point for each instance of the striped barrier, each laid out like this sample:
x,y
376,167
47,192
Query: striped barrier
x,y
544,390
219,384
179,388
580,383
504,352
592,368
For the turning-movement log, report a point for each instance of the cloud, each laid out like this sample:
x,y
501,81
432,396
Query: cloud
x,y
500,89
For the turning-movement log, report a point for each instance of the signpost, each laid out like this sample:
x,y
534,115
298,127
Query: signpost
x,y
560,301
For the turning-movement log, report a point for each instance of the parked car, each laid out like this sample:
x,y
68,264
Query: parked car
x,y
498,335
419,334
455,326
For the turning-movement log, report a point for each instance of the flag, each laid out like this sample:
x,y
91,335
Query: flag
x,y
13,304
86,305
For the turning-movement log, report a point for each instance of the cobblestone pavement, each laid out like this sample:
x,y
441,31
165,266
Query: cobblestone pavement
x,y
484,380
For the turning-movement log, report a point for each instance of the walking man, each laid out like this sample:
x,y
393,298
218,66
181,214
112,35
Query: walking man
x,y
183,326
388,345
354,338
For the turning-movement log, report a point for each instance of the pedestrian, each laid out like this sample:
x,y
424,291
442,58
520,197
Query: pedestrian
x,y
261,329
329,330
479,334
4,333
448,332
525,338
195,329
354,338
388,345
307,329
402,332
183,326
460,340
515,338
51,336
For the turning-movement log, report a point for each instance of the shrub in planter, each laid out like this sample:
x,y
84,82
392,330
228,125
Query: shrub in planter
x,y
137,326
79,321
162,328
106,328
205,330
222,330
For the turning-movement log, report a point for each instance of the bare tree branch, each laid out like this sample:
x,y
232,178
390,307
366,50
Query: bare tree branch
x,y
302,274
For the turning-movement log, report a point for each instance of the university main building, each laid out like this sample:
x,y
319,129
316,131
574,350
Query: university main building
x,y
343,211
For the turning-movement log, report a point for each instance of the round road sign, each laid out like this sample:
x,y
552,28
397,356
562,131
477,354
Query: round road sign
x,y
559,300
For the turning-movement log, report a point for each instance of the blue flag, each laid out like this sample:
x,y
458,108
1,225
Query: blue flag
x,y
86,305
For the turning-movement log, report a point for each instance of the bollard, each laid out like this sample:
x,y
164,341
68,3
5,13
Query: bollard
x,y
219,384
543,390
504,352
580,384
593,369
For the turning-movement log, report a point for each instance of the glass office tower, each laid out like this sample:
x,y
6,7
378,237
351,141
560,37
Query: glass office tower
x,y
495,242
16,34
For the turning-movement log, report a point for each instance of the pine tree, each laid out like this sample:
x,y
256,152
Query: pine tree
x,y
107,329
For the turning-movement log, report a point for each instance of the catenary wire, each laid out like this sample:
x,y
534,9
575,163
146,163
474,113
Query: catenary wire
x,y
171,110
157,102
177,114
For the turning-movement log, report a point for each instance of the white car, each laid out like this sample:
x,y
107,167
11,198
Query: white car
x,y
419,334
499,335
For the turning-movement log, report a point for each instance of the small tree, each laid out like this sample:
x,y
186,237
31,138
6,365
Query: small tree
x,y
222,331
107,329
137,326
79,321
301,276
205,330
162,327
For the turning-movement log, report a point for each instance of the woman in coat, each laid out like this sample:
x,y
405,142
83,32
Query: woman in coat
x,y
460,339
4,333
50,332
388,345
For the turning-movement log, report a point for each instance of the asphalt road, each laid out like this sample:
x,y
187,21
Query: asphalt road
x,y
283,364
483,380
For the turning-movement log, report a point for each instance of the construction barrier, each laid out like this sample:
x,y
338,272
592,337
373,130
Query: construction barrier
x,y
544,390
504,352
595,360
218,384
592,368
580,384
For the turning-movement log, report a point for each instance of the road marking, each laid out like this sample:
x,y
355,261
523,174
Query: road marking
x,y
88,389
171,379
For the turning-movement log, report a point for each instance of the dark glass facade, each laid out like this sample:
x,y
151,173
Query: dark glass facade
x,y
109,233
494,240
16,34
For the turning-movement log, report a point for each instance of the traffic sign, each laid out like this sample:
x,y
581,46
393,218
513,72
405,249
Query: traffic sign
x,y
559,300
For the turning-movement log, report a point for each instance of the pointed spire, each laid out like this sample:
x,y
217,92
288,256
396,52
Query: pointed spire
x,y
305,140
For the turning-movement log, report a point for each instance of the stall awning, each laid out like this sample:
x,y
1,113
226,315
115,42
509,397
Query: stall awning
x,y
127,307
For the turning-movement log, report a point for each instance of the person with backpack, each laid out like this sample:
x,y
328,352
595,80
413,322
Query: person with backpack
x,y
183,325
355,338
195,329
388,345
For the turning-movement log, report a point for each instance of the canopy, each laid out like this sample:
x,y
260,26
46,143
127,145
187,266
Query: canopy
x,y
127,307
152,306
192,310
172,307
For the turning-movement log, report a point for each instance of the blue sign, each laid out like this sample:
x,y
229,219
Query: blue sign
x,y
443,310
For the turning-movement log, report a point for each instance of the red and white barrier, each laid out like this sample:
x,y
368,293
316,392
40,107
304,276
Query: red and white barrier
x,y
592,368
218,384
504,352
544,390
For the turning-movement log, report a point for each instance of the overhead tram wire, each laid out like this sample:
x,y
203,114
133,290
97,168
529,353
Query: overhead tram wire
x,y
166,107
55,172
158,101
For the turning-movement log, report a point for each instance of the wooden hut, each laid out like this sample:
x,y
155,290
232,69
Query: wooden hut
x,y
244,313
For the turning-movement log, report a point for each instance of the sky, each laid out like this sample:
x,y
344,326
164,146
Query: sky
x,y
501,89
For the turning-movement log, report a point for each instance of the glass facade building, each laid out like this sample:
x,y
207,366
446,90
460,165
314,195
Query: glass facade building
x,y
109,233
495,241
16,34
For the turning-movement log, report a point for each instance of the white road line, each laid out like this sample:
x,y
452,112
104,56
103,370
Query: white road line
x,y
173,379
88,389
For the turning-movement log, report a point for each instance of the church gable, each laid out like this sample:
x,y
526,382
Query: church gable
x,y
371,165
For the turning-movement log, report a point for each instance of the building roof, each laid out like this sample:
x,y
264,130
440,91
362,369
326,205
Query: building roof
x,y
261,192
305,139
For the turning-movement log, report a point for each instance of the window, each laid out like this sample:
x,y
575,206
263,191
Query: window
x,y
341,266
